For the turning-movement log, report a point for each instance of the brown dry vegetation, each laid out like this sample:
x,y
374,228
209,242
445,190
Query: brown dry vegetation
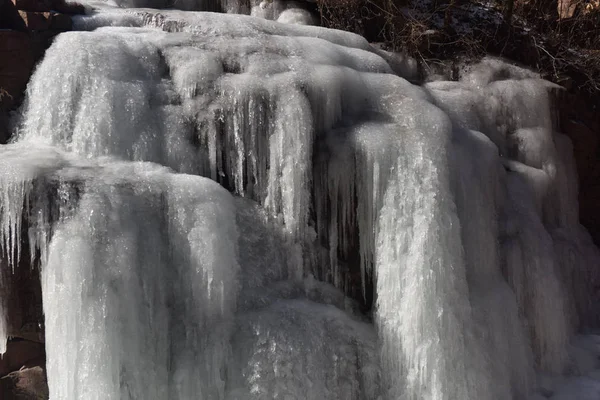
x,y
561,38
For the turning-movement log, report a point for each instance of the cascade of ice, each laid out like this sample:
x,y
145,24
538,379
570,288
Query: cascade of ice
x,y
411,234
449,210
477,183
537,203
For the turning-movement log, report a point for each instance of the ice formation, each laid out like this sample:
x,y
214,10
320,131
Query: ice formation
x,y
447,211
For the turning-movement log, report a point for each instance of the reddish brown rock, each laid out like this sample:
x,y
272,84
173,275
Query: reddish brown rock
x,y
567,8
26,384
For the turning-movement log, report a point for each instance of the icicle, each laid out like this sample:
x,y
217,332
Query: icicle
x,y
290,163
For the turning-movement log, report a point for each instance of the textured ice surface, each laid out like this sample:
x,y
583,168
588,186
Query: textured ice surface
x,y
537,203
297,349
143,271
141,262
448,210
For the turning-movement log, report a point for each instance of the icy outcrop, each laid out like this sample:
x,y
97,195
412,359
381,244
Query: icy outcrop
x,y
538,203
143,272
449,210
296,349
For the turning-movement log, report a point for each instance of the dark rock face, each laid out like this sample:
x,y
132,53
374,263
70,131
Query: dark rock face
x,y
24,303
21,353
580,120
59,6
9,17
4,129
14,42
26,349
46,21
16,65
33,5
25,384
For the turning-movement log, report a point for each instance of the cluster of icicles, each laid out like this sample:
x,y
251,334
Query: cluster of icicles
x,y
452,205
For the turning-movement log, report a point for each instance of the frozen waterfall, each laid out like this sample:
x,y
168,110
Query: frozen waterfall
x,y
226,207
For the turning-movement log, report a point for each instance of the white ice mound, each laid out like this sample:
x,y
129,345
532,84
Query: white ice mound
x,y
299,349
141,268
